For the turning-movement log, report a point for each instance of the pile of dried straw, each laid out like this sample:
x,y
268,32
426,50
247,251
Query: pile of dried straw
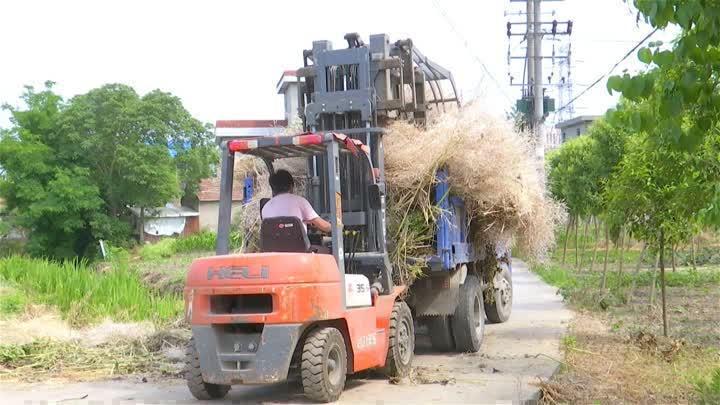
x,y
490,166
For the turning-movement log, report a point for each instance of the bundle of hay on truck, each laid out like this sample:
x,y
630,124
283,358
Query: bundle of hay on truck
x,y
423,211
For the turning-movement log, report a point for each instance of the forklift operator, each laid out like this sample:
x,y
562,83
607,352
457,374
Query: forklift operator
x,y
286,204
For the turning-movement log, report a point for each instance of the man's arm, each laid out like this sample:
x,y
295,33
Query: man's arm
x,y
321,224
311,217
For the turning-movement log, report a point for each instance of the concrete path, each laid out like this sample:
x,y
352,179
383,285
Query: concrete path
x,y
513,356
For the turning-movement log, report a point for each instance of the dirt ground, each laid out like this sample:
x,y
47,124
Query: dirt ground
x,y
41,322
621,357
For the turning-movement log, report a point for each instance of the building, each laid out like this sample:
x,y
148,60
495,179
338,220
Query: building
x,y
208,198
289,87
575,127
168,221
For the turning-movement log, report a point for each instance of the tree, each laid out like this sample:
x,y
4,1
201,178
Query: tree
x,y
72,169
573,179
660,191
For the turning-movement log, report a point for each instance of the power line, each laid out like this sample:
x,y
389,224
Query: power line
x,y
465,43
599,79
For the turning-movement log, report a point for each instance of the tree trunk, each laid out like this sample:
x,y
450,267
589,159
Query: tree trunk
x,y
595,243
577,245
662,283
654,280
673,247
567,236
621,244
142,226
584,243
694,263
631,291
607,252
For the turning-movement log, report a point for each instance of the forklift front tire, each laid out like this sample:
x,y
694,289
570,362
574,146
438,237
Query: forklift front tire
x,y
199,388
402,342
324,365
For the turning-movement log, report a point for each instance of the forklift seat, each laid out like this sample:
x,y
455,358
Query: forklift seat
x,y
283,234
263,201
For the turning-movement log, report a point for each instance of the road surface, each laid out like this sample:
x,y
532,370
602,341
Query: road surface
x,y
513,356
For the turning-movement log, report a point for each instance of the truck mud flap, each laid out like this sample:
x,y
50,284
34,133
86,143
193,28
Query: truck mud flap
x,y
438,294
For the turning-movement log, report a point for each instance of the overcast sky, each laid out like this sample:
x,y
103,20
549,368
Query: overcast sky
x,y
223,58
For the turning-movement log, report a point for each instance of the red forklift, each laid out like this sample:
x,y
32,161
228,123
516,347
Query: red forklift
x,y
328,307
254,315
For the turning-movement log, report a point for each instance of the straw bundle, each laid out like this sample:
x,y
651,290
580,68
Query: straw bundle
x,y
491,167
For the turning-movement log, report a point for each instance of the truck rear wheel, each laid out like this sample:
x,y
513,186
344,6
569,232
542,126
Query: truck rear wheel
x,y
199,388
499,310
324,365
440,332
468,323
402,341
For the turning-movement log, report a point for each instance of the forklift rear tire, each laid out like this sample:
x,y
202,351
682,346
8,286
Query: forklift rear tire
x,y
440,333
324,365
199,388
499,310
401,349
468,323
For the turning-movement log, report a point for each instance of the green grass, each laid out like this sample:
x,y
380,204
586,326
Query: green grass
x,y
162,249
195,242
198,242
12,301
84,295
167,275
708,389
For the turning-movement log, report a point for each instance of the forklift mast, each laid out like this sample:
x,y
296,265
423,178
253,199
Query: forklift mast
x,y
355,91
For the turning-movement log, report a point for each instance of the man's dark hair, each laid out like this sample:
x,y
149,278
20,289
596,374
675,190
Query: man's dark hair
x,y
281,182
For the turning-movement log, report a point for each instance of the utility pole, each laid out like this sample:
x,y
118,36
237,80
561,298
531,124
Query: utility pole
x,y
538,84
530,66
534,104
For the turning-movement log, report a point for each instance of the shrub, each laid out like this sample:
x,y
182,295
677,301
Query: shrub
x,y
159,250
202,241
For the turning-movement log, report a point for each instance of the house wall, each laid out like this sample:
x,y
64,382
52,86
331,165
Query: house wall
x,y
209,214
573,131
291,104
